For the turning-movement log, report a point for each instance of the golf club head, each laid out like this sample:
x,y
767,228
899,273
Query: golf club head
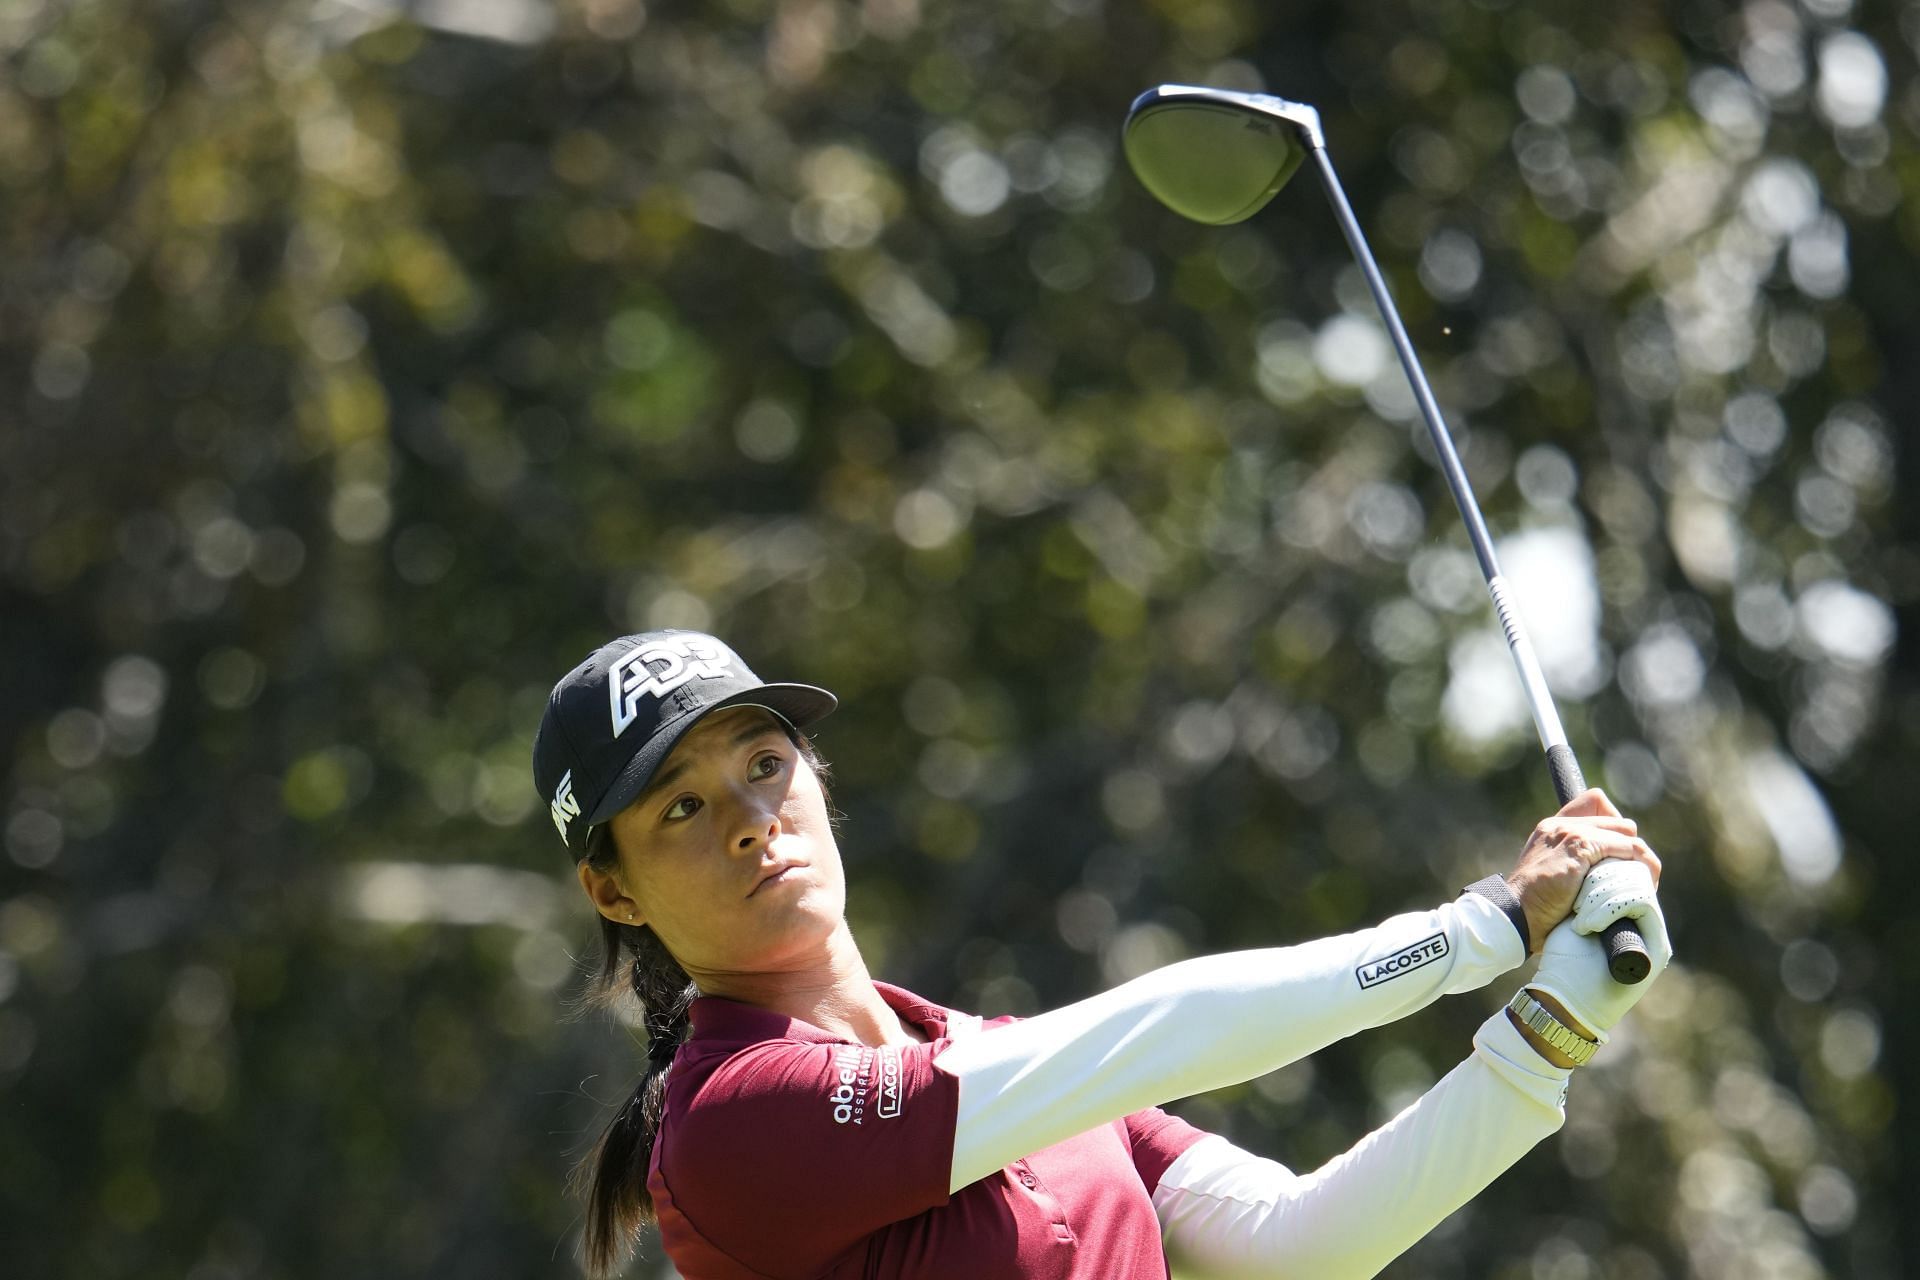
x,y
1216,155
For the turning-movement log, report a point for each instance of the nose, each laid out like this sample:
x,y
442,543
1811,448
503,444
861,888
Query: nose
x,y
755,822
754,838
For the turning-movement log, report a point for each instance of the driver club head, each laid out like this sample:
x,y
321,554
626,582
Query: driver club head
x,y
1216,155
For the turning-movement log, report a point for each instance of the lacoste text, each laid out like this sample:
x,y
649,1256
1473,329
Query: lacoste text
x,y
1405,960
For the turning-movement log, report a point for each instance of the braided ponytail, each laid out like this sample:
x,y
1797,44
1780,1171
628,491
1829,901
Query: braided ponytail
x,y
612,1177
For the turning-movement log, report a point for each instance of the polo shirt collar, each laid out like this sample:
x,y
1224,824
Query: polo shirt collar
x,y
716,1019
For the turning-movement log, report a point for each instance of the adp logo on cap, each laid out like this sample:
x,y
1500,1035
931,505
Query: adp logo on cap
x,y
659,684
683,657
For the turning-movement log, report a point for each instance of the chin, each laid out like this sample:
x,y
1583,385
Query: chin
x,y
796,938
817,913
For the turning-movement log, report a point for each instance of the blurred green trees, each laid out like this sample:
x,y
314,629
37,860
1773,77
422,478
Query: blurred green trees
x,y
371,367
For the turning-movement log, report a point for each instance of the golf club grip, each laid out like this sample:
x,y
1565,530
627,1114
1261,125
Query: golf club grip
x,y
1627,958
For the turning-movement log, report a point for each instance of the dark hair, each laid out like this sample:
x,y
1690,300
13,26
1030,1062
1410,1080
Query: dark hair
x,y
612,1177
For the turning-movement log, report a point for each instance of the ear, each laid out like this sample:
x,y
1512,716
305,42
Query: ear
x,y
608,898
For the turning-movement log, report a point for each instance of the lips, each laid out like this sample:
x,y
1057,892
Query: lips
x,y
778,868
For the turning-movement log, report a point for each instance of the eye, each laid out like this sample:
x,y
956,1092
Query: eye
x,y
767,766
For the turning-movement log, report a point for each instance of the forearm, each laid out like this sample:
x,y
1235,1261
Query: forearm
x,y
1206,1023
1227,1215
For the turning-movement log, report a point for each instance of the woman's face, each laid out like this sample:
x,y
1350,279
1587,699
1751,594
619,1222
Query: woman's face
x,y
728,855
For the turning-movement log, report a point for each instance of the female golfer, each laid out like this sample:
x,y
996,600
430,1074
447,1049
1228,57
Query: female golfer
x,y
799,1119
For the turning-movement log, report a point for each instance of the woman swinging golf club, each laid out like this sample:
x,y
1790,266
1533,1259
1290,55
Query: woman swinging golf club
x,y
799,1119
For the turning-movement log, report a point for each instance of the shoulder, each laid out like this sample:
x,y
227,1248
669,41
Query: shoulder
x,y
786,1150
827,1094
706,1086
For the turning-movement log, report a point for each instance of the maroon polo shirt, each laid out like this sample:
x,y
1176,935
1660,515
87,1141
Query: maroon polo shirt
x,y
790,1154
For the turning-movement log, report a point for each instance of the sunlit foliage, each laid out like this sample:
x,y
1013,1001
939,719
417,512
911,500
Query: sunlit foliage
x,y
370,362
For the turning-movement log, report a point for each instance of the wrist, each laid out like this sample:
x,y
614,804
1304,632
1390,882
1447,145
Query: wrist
x,y
1558,1010
1538,1044
1539,922
1499,892
1552,1033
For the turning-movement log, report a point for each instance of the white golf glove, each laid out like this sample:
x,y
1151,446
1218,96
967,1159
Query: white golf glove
x,y
1573,964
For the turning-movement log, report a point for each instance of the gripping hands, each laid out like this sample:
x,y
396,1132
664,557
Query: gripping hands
x,y
1573,964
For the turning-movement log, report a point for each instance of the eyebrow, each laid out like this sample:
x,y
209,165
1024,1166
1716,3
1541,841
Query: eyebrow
x,y
759,729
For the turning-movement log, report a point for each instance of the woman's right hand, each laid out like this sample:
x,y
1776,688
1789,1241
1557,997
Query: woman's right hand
x,y
1573,980
1561,850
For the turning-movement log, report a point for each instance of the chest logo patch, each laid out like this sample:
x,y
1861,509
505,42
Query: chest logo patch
x,y
866,1083
852,1082
887,1105
1405,960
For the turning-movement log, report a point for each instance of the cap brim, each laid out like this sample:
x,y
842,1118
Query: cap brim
x,y
798,704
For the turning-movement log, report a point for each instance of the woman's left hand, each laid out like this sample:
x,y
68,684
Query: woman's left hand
x,y
1573,979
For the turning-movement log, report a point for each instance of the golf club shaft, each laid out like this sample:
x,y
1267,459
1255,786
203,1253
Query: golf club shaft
x,y
1626,952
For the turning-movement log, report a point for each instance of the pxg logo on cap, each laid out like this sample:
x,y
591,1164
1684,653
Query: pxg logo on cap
x,y
613,719
564,807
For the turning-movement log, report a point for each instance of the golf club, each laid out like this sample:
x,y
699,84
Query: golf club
x,y
1218,156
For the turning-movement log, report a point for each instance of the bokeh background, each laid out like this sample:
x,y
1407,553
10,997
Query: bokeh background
x,y
367,364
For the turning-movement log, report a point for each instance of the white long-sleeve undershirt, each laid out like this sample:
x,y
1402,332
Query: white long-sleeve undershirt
x,y
1226,1214
1206,1023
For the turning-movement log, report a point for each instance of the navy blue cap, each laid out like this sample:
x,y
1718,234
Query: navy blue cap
x,y
613,719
